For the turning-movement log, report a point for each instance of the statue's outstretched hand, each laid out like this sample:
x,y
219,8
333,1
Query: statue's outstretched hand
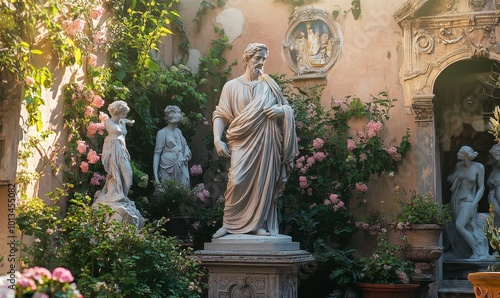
x,y
222,149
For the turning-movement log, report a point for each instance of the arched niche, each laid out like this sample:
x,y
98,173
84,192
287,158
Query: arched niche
x,y
435,35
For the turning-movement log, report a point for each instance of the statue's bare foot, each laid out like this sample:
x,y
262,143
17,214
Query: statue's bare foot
x,y
262,232
220,232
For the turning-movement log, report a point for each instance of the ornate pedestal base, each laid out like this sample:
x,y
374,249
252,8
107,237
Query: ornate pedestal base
x,y
253,266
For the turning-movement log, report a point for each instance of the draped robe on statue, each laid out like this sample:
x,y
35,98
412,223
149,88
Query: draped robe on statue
x,y
262,152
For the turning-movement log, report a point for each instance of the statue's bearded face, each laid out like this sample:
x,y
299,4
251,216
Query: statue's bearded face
x,y
257,61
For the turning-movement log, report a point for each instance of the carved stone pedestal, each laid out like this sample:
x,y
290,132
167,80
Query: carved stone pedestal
x,y
253,266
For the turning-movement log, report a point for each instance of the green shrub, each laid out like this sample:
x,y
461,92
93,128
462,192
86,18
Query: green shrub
x,y
110,258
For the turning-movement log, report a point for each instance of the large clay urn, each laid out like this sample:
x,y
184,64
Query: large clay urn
x,y
423,243
486,284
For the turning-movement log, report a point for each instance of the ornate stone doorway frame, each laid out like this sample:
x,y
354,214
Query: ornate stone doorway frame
x,y
436,35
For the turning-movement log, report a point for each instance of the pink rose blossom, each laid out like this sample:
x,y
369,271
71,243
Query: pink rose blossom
x,y
84,166
391,150
81,146
336,103
303,182
98,102
319,156
73,27
327,202
374,128
96,179
89,111
94,128
310,161
317,143
78,25
100,36
196,170
92,60
334,198
62,275
338,206
299,163
203,195
92,157
361,187
37,273
97,12
89,95
103,117
351,145
27,283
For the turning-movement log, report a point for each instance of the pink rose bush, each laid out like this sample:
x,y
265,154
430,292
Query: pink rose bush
x,y
335,162
39,282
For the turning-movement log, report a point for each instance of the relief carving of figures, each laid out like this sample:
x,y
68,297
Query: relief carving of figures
x,y
482,38
312,43
447,36
477,5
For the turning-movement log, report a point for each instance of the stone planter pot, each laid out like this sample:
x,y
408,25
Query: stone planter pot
x,y
423,243
388,290
486,284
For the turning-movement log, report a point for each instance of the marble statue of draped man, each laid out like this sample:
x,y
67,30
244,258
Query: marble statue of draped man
x,y
261,142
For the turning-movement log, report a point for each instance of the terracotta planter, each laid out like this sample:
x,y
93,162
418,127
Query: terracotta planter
x,y
486,284
388,290
423,243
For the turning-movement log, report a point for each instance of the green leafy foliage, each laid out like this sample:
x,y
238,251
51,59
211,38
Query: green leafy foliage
x,y
415,208
492,232
107,256
385,265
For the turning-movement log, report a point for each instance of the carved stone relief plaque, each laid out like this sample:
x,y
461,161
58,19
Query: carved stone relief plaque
x,y
312,43
477,5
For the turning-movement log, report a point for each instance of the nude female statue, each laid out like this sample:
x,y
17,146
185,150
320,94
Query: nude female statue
x,y
467,186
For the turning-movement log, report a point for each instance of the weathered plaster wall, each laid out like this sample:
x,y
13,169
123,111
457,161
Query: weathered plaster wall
x,y
370,61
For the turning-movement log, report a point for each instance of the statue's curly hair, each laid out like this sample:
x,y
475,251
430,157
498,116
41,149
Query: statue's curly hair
x,y
172,119
118,106
251,50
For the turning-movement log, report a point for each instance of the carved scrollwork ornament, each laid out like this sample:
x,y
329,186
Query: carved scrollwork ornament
x,y
423,42
423,111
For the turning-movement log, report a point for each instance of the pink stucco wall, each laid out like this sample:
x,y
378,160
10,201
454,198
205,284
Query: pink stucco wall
x,y
370,60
